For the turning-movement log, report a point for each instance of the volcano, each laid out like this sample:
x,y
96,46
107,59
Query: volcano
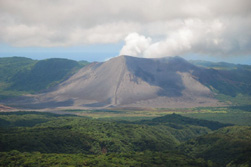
x,y
126,81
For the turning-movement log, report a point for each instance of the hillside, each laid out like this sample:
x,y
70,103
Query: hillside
x,y
32,138
219,65
225,78
20,75
175,119
50,133
10,66
44,74
227,146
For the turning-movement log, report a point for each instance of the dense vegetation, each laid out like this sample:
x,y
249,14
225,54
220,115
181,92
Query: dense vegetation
x,y
227,145
219,65
82,135
238,115
174,119
19,75
43,139
225,78
43,74
11,66
227,82
133,159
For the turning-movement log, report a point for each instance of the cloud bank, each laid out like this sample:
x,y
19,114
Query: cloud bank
x,y
148,28
192,36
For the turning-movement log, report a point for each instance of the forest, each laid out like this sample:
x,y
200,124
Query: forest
x,y
46,139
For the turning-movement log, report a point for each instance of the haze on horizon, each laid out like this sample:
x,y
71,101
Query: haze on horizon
x,y
98,30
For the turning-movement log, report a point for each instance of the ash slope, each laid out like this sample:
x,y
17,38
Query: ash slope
x,y
127,81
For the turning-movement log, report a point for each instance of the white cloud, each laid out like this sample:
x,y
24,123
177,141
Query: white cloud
x,y
168,27
135,45
192,36
106,33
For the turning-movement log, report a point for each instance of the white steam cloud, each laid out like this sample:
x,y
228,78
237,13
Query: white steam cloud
x,y
136,45
190,36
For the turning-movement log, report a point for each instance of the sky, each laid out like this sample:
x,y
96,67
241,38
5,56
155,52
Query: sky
x,y
97,30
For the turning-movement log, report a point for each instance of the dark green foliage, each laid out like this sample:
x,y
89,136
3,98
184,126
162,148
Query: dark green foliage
x,y
4,122
175,120
20,75
56,140
26,119
43,139
242,108
43,74
82,135
227,82
225,78
219,65
8,68
243,160
231,144
12,65
237,115
141,159
67,134
83,63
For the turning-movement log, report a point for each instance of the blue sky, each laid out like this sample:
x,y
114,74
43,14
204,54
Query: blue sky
x,y
99,30
98,52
